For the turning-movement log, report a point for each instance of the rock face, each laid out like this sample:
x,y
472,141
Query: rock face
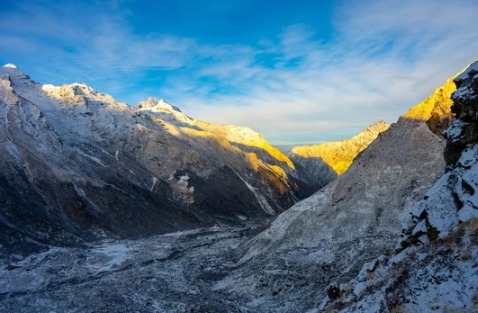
x,y
77,165
434,266
328,160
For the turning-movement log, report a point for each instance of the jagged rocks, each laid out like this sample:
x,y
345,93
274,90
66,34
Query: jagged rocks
x,y
465,103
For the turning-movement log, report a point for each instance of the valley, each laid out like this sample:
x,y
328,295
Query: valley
x,y
153,211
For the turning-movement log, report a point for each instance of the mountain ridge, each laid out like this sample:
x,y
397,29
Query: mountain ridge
x,y
339,155
128,171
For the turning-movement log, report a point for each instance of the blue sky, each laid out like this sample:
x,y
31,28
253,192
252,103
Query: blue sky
x,y
297,71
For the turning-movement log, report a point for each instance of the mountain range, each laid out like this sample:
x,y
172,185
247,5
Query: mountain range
x,y
394,232
79,166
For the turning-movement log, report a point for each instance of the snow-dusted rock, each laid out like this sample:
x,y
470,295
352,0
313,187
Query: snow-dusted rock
x,y
77,165
327,237
435,267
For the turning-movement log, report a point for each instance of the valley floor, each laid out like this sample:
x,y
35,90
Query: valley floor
x,y
175,272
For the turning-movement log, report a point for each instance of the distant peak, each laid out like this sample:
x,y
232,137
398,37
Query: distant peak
x,y
377,126
339,155
10,65
81,85
12,69
152,102
380,122
81,88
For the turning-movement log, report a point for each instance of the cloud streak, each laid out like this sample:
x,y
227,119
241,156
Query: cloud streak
x,y
296,87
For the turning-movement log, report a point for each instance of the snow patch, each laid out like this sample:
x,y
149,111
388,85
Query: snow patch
x,y
260,197
48,87
242,217
184,178
155,180
454,132
114,253
472,68
467,213
10,65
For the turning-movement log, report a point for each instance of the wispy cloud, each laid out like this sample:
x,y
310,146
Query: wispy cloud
x,y
294,87
388,56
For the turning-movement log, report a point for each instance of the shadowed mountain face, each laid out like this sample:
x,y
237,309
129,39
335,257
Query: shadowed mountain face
x,y
77,165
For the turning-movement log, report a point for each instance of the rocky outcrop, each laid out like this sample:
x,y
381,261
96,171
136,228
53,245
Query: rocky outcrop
x,y
337,155
436,109
434,265
77,165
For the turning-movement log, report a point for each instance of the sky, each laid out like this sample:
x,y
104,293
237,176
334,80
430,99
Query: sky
x,y
302,71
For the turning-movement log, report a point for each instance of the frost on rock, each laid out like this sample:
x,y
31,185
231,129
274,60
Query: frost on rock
x,y
468,213
306,260
440,207
455,132
434,267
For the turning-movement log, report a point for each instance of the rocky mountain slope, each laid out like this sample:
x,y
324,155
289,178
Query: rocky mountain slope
x,y
77,165
435,265
337,155
330,235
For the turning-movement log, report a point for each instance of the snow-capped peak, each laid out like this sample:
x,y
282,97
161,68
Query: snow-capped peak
x,y
162,109
10,65
154,104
